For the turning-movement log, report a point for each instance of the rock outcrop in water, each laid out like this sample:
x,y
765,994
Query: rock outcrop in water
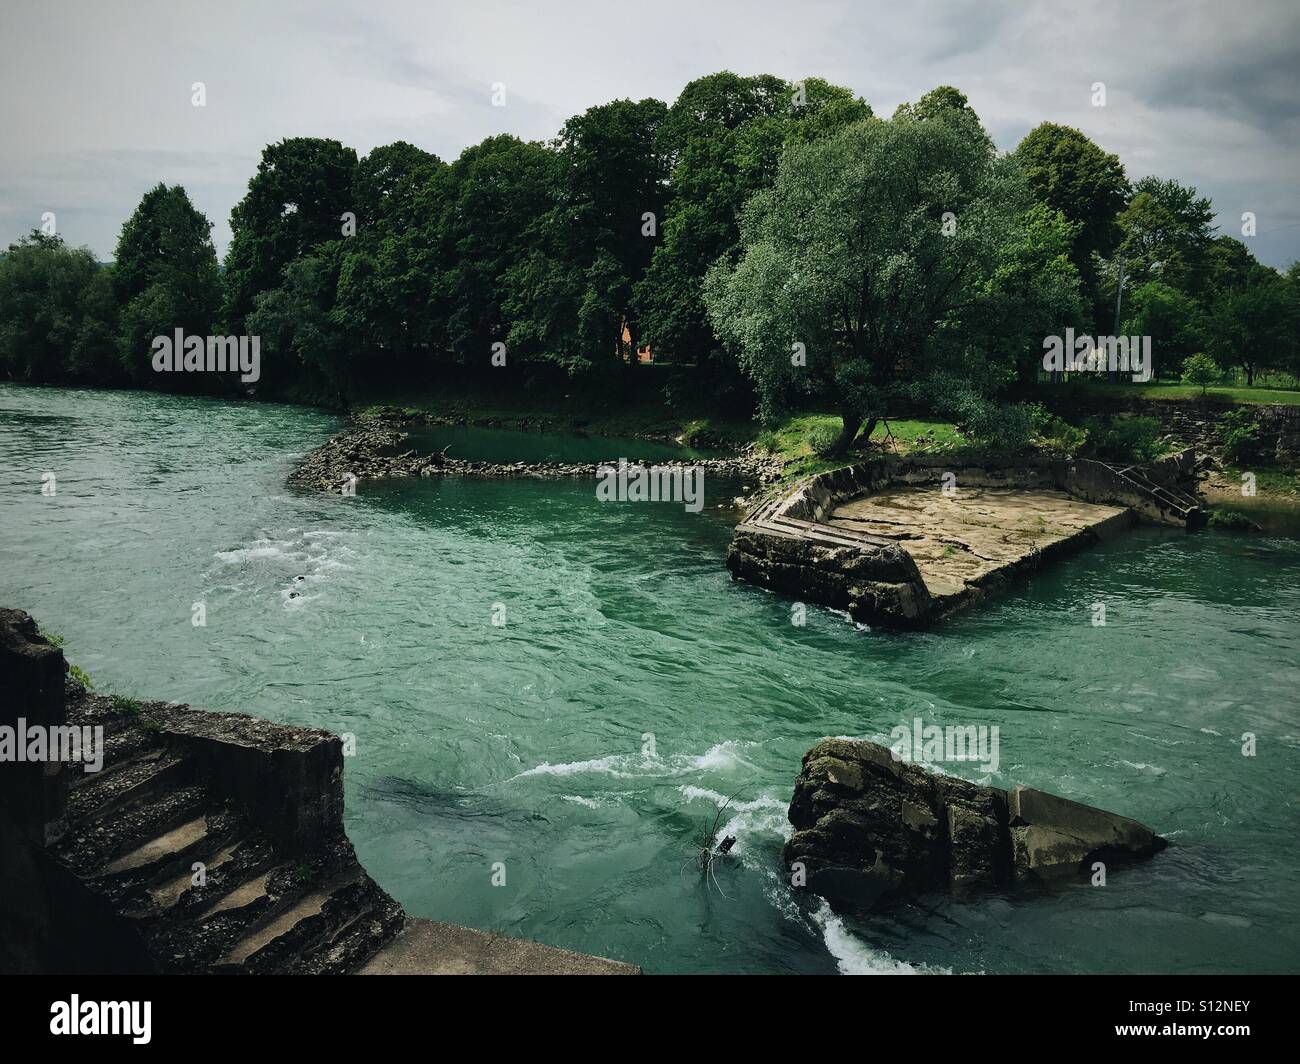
x,y
870,829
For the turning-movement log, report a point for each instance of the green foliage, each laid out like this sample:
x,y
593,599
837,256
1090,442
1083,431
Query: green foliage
x,y
1059,436
1222,517
1167,232
79,674
1123,438
129,706
780,213
1070,174
165,278
851,255
1238,433
57,315
1172,319
53,638
1201,371
822,439
1257,326
722,138
294,204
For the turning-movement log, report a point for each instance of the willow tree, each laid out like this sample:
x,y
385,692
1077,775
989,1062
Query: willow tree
x,y
865,265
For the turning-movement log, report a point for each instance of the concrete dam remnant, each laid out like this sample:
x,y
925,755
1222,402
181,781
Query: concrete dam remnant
x,y
905,543
870,829
206,843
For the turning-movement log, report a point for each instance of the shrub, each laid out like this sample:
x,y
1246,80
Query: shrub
x,y
822,438
1238,434
1059,435
1201,370
1134,438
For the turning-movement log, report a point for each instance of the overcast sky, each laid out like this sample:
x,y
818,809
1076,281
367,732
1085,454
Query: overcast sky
x,y
96,96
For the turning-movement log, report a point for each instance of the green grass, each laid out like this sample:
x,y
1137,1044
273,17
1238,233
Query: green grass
x,y
791,441
1223,393
1269,480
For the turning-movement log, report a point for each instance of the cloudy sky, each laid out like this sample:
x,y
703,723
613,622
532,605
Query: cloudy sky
x,y
96,102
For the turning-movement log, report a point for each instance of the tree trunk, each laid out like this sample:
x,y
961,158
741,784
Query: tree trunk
x,y
852,422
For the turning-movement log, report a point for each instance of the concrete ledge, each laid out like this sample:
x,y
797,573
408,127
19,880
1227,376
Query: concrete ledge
x,y
426,947
31,687
289,780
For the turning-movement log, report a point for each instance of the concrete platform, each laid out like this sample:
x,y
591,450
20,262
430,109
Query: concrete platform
x,y
961,539
426,947
887,541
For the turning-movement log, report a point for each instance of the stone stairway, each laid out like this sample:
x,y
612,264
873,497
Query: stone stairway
x,y
205,842
205,889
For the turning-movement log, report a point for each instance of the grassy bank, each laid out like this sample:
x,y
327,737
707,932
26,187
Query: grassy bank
x,y
1226,395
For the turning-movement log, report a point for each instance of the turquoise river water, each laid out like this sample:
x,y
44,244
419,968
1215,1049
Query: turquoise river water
x,y
584,743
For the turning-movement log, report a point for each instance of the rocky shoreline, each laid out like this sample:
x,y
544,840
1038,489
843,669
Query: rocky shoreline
x,y
375,448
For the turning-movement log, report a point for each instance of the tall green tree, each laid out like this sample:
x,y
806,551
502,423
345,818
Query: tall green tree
x,y
1257,327
383,295
1167,232
295,202
862,265
722,138
570,300
1071,174
481,215
165,277
1172,319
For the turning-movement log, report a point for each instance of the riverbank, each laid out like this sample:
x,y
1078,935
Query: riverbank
x,y
376,447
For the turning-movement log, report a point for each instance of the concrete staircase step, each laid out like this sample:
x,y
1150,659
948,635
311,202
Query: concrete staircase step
x,y
166,847
90,847
141,776
349,946
247,893
291,928
166,895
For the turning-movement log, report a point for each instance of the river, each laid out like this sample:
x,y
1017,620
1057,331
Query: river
x,y
582,744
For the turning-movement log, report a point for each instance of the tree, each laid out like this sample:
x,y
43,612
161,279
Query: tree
x,y
481,216
295,202
56,313
300,328
1069,173
383,297
1171,318
1256,327
165,277
1167,232
570,299
723,138
852,283
1201,370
